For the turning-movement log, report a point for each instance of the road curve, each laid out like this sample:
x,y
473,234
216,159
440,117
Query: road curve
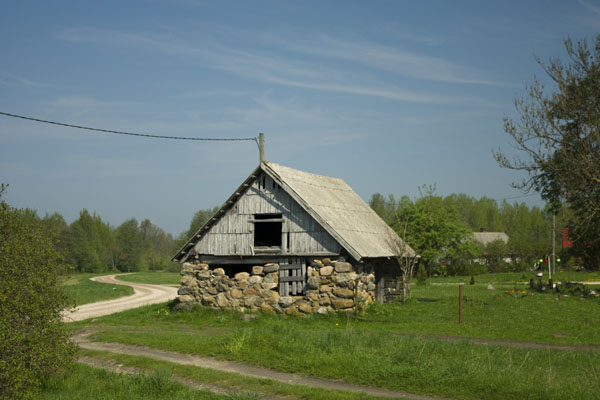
x,y
144,294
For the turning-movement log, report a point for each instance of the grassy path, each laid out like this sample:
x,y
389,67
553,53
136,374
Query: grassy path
x,y
242,369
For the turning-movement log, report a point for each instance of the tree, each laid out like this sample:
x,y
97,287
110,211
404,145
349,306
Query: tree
x,y
130,241
33,341
433,229
91,243
198,220
558,136
158,246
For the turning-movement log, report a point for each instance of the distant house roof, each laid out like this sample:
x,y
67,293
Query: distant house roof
x,y
488,237
334,205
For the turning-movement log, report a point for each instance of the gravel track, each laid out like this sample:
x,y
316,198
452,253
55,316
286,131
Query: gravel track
x,y
144,294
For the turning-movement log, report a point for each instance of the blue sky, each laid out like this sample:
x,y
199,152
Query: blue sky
x,y
388,95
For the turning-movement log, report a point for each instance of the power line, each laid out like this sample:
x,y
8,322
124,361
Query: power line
x,y
254,139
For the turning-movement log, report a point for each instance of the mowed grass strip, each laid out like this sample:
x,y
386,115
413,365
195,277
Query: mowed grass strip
x,y
375,350
226,379
153,278
82,290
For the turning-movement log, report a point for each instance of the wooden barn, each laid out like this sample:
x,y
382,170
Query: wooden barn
x,y
290,217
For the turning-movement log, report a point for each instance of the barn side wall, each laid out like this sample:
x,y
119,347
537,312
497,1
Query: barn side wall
x,y
233,234
330,286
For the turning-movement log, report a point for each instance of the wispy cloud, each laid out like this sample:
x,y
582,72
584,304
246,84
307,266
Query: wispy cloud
x,y
592,16
297,71
11,80
392,60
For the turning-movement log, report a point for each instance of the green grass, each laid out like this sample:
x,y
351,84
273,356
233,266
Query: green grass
x,y
226,379
85,382
386,347
512,277
154,278
82,290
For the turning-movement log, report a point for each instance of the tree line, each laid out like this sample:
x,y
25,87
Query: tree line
x,y
441,230
90,244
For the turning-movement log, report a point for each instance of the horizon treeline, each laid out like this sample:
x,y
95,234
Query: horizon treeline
x,y
90,244
529,228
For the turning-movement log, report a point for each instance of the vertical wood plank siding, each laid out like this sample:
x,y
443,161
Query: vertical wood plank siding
x,y
233,234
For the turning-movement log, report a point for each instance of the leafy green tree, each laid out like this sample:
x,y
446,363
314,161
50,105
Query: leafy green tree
x,y
158,246
198,220
33,341
434,230
91,244
558,136
131,245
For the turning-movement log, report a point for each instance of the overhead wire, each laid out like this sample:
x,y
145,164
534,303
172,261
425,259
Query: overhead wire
x,y
254,139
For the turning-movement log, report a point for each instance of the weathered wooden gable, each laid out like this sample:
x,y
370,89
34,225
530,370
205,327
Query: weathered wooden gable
x,y
233,233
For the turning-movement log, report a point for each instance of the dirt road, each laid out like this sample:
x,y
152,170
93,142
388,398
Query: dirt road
x,y
254,371
144,294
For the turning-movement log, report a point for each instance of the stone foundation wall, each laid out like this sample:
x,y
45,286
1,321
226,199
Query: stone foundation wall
x,y
330,286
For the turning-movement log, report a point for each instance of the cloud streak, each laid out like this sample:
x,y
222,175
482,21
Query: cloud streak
x,y
320,73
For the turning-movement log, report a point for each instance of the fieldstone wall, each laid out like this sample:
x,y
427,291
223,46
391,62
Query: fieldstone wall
x,y
330,286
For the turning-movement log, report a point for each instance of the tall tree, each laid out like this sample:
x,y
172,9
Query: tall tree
x,y
558,135
33,341
130,241
91,243
434,230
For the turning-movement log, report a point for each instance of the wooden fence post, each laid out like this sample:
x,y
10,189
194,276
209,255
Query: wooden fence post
x,y
459,304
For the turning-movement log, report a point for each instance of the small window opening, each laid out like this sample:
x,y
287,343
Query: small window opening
x,y
267,230
264,182
288,242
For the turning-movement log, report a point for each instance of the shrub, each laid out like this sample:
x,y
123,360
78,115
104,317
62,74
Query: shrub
x,y
33,341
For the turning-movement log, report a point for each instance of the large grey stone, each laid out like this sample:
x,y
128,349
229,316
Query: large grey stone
x,y
271,277
270,268
322,310
222,300
203,274
286,301
339,304
187,280
186,298
343,267
184,290
240,276
268,285
312,282
345,293
326,271
257,270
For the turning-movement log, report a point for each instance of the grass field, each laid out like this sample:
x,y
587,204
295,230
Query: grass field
x,y
226,379
84,382
513,277
154,278
82,290
391,346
